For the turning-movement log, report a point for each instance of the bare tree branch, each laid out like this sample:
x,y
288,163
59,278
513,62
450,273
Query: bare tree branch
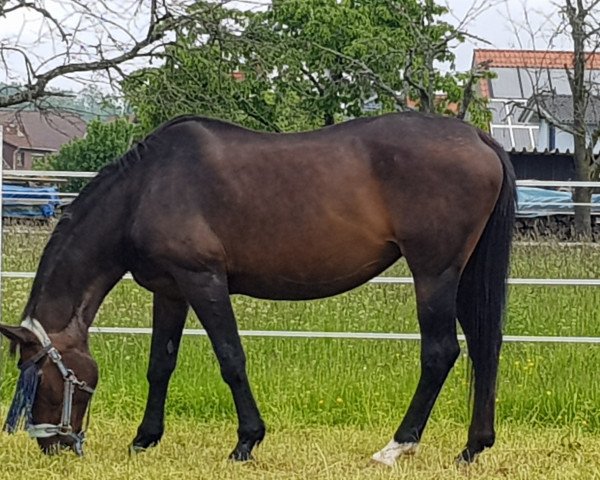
x,y
115,44
45,13
475,75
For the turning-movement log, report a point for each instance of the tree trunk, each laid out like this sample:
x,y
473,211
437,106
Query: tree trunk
x,y
576,15
583,217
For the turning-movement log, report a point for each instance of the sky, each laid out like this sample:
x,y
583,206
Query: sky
x,y
498,24
504,25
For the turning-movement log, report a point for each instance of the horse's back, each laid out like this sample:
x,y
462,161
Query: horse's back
x,y
311,214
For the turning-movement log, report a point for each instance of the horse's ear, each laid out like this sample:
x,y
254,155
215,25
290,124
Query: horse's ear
x,y
18,334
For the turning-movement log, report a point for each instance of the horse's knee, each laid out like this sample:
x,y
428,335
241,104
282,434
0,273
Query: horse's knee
x,y
161,367
233,366
160,373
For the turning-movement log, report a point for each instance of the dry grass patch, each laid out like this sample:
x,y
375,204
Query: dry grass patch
x,y
192,451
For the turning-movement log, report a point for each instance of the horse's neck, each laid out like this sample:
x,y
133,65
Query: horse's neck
x,y
77,272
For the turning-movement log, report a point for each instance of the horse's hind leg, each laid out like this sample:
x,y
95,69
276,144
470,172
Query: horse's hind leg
x,y
208,295
436,306
167,325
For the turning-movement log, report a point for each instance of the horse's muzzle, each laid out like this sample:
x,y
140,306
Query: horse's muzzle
x,y
57,444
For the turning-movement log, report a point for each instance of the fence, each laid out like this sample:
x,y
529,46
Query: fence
x,y
527,206
377,280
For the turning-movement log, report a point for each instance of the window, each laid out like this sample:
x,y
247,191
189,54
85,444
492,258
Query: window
x,y
508,129
507,83
552,137
20,161
502,136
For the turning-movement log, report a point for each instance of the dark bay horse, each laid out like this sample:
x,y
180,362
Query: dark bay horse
x,y
203,209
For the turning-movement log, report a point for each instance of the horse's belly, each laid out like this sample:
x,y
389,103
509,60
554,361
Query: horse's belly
x,y
302,278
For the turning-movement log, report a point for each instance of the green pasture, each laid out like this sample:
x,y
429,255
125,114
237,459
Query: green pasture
x,y
329,404
194,450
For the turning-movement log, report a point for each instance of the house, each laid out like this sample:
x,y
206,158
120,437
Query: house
x,y
521,77
30,135
555,111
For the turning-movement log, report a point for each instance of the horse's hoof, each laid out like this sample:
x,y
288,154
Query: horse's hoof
x,y
465,458
134,448
241,455
392,451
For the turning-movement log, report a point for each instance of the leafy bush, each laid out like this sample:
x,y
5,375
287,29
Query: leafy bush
x,y
102,144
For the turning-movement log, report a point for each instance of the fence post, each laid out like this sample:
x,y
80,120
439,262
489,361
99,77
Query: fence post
x,y
1,210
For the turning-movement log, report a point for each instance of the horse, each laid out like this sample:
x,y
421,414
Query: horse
x,y
203,209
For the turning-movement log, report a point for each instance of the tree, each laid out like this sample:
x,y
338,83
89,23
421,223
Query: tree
x,y
213,69
579,22
583,26
73,38
103,143
305,64
381,52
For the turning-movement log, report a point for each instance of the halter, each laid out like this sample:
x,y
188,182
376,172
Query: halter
x,y
64,428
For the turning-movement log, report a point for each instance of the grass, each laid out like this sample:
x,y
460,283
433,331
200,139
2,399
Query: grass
x,y
533,310
195,451
329,404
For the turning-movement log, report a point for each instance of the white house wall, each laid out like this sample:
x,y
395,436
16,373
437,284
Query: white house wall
x,y
563,141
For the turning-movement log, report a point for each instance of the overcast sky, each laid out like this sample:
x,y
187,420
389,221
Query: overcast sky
x,y
495,24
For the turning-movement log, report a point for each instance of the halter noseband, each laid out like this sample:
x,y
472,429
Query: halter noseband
x,y
64,428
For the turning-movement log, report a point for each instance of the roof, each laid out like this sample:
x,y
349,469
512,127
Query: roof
x,y
538,153
527,59
35,130
560,108
531,59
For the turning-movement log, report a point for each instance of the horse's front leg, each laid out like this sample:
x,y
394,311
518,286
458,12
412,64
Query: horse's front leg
x,y
208,295
167,326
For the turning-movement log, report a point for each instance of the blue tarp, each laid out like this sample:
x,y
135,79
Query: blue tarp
x,y
539,202
29,202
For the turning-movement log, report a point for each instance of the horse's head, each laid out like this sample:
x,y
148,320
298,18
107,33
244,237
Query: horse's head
x,y
58,377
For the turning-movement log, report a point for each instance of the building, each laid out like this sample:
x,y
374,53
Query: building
x,y
525,79
552,112
30,135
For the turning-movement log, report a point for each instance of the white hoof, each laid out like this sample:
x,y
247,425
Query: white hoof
x,y
388,454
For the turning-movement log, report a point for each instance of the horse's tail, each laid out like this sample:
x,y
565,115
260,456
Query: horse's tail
x,y
482,290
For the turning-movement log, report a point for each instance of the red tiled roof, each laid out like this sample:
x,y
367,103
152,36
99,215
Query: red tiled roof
x,y
527,59
40,130
531,58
